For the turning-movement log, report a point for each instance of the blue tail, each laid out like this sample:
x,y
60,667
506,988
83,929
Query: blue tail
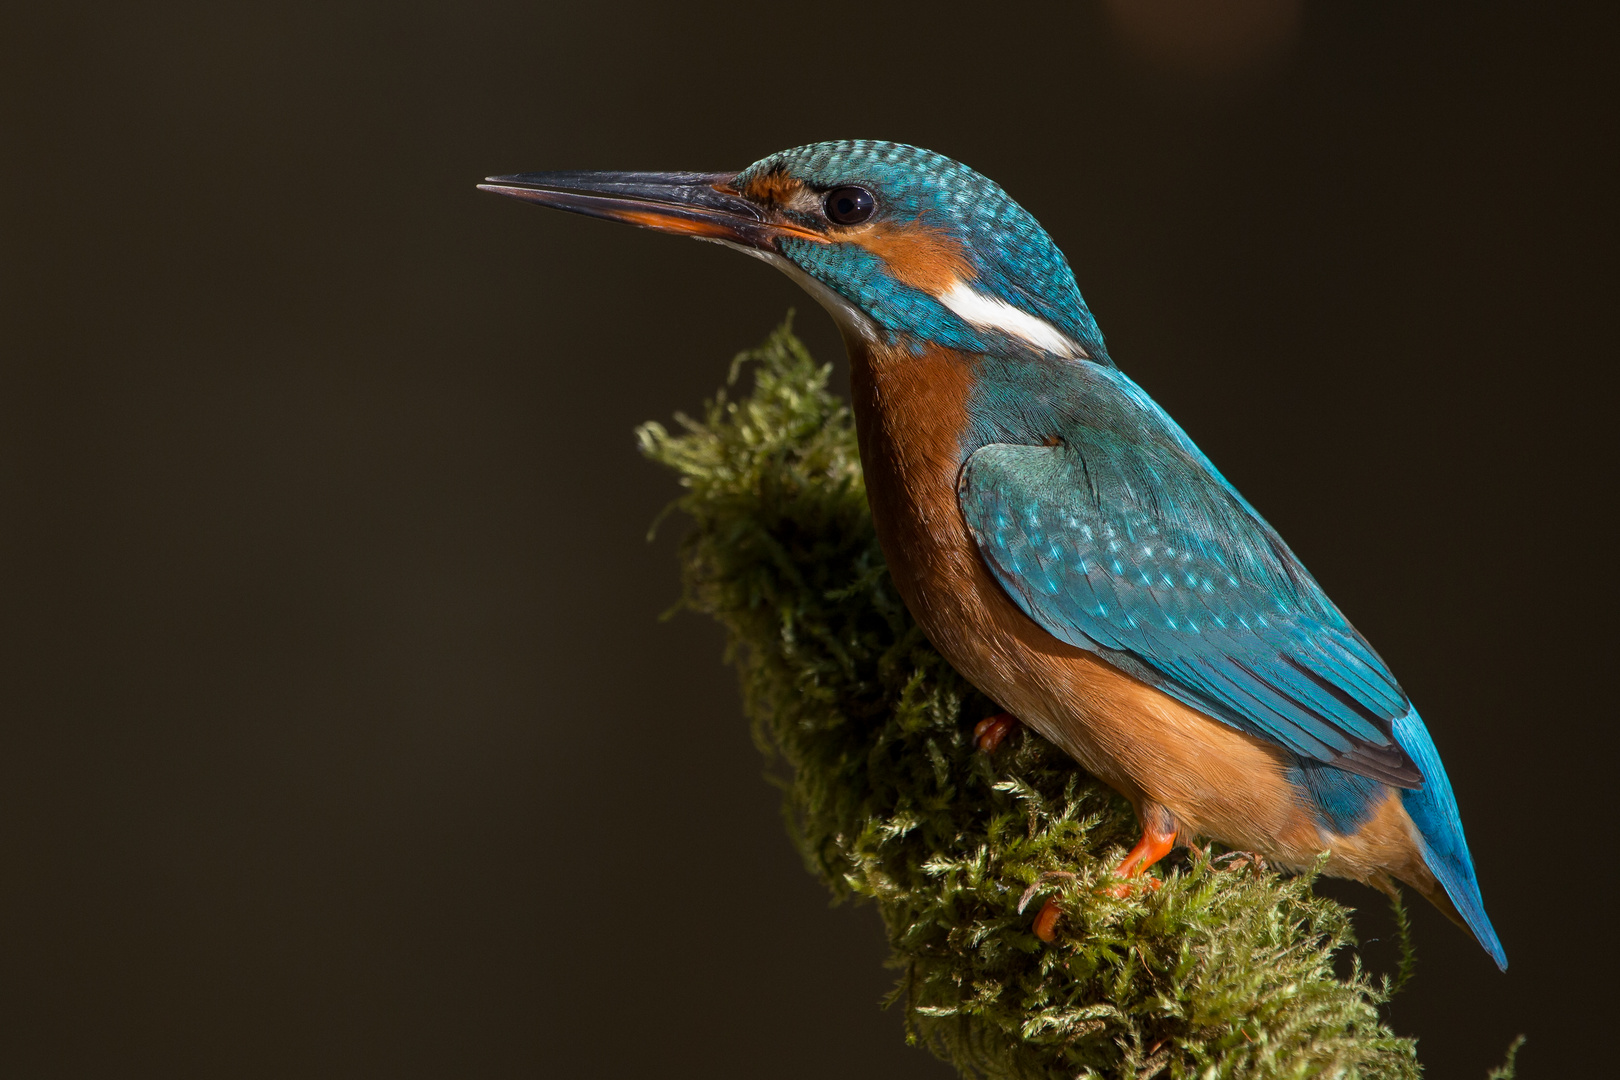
x,y
1434,811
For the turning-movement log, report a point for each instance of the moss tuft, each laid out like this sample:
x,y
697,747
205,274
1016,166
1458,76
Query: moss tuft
x,y
1226,971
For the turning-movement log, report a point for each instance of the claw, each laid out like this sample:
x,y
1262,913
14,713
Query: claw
x,y
1240,859
1046,919
1029,893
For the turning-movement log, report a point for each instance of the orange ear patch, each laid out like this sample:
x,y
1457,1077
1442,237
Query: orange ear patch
x,y
921,257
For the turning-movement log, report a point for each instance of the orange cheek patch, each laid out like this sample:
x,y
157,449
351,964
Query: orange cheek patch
x,y
921,257
777,188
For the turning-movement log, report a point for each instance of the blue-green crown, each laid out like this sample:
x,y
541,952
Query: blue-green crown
x,y
1013,258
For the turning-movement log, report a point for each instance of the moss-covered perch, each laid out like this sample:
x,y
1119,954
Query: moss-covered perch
x,y
1227,971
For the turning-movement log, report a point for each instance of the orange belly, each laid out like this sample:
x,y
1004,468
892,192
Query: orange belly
x,y
1216,781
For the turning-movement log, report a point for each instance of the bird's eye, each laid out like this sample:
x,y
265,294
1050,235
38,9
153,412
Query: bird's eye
x,y
849,205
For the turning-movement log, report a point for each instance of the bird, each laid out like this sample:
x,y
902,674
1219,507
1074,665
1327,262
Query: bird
x,y
1060,539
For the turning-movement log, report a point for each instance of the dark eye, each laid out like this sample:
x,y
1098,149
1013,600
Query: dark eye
x,y
849,205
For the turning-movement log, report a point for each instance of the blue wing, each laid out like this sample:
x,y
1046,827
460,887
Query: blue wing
x,y
1127,543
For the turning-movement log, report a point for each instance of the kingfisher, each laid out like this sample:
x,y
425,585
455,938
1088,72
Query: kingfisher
x,y
1060,539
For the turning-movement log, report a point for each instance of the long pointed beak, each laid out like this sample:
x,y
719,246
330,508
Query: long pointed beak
x,y
700,205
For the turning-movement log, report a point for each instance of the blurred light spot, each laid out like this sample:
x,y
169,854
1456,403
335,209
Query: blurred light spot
x,y
1207,37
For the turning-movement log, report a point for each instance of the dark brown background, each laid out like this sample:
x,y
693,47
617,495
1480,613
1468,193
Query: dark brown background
x,y
340,737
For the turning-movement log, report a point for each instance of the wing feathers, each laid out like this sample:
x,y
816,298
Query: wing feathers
x,y
1112,548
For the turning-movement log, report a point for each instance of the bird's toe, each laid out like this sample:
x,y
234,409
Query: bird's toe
x,y
992,731
1046,920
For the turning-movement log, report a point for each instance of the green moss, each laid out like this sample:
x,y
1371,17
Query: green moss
x,y
1226,971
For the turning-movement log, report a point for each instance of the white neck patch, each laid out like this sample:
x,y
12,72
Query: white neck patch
x,y
991,313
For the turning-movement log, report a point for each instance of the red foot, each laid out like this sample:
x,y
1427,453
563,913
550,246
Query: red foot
x,y
992,731
1158,838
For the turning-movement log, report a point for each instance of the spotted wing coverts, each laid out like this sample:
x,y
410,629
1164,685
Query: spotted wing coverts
x,y
1136,552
